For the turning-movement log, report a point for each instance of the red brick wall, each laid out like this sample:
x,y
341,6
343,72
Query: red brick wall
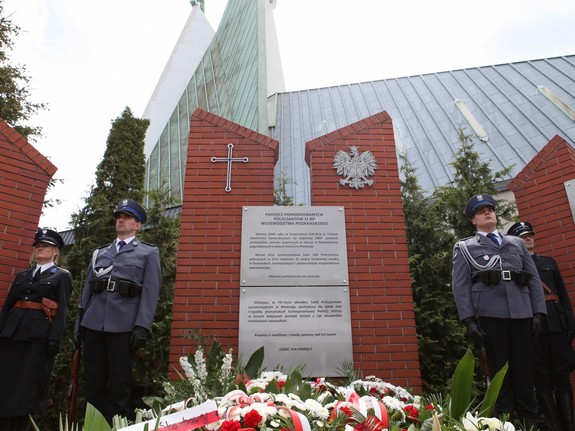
x,y
542,200
383,319
208,277
24,177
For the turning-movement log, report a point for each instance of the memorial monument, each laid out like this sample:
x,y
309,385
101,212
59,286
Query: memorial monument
x,y
247,268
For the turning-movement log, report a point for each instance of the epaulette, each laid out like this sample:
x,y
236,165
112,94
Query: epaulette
x,y
105,246
148,243
58,268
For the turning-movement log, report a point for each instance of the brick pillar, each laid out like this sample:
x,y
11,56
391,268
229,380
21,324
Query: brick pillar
x,y
24,178
542,201
208,275
382,314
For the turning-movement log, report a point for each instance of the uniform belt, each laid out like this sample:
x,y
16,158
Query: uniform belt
x,y
494,277
30,305
551,298
123,287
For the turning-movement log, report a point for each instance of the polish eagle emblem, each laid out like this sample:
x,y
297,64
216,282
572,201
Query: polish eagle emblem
x,y
356,167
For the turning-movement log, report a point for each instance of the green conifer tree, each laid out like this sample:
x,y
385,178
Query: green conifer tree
x,y
440,336
119,175
281,196
15,105
472,176
163,230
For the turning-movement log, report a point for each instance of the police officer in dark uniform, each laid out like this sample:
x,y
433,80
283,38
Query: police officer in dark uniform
x,y
118,304
32,323
500,299
553,351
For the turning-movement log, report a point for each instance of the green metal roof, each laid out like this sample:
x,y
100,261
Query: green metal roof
x,y
230,81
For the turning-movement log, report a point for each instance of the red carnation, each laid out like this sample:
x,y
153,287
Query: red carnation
x,y
252,419
230,426
346,410
411,411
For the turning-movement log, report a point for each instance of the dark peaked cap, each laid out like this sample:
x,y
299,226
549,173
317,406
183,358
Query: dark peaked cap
x,y
48,236
133,208
477,202
521,228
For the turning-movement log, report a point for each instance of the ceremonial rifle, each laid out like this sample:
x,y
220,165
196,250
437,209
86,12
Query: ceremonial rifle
x,y
485,365
73,386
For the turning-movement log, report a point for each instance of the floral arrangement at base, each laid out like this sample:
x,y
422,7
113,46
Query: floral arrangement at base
x,y
274,401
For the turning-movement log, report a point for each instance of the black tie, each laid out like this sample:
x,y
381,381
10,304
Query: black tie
x,y
37,275
493,238
121,244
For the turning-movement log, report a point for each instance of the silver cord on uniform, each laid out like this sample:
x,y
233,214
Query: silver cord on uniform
x,y
494,262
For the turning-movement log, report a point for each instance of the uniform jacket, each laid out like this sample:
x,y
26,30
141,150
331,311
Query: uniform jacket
x,y
23,324
138,262
559,313
506,299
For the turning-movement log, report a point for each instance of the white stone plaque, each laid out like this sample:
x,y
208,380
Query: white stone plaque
x,y
293,246
294,296
308,326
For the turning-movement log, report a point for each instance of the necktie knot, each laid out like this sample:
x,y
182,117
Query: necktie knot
x,y
493,238
121,244
37,273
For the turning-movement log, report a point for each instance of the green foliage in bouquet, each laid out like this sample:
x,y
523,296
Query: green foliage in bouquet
x,y
206,376
93,421
462,384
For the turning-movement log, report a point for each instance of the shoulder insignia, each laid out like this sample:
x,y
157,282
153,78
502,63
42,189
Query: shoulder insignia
x,y
148,243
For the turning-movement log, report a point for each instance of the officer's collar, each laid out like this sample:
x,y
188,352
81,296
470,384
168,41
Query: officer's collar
x,y
127,240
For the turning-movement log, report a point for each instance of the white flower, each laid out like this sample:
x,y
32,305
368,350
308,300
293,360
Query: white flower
x,y
227,366
187,368
200,364
474,423
284,413
316,409
508,426
264,379
291,401
169,389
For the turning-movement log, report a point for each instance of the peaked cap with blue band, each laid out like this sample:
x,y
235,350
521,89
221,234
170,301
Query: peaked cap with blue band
x,y
477,202
132,208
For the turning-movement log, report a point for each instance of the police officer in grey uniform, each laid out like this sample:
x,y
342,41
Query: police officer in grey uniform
x,y
118,304
553,352
499,298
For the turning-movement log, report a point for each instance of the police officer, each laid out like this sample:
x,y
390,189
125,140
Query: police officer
x,y
553,351
118,304
32,324
500,299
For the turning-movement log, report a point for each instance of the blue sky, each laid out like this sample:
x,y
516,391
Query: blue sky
x,y
90,59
